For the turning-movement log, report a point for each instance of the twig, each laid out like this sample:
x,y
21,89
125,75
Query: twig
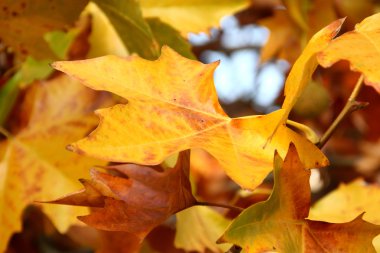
x,y
351,106
4,132
235,208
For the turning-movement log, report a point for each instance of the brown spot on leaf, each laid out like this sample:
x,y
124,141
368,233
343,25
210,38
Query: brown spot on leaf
x,y
149,157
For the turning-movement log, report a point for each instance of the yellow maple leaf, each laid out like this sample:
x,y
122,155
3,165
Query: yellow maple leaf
x,y
304,67
35,165
173,106
290,29
191,15
198,228
360,47
347,202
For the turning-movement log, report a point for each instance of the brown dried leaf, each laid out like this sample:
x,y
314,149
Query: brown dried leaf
x,y
136,198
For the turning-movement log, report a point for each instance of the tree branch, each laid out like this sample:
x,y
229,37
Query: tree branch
x,y
4,132
351,106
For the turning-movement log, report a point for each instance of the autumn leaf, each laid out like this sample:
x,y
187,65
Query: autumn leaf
x,y
290,29
29,71
142,36
35,165
347,202
24,23
64,45
126,18
360,47
198,228
103,39
137,200
173,106
305,65
167,35
311,108
297,10
283,41
191,15
118,241
280,223
355,11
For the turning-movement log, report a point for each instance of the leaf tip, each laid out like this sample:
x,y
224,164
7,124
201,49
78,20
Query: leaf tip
x,y
342,19
165,48
360,216
336,26
167,51
83,218
221,239
276,154
56,65
74,148
41,201
292,153
292,148
71,148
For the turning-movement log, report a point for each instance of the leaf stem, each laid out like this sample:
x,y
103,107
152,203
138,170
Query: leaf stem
x,y
5,132
307,131
234,208
351,106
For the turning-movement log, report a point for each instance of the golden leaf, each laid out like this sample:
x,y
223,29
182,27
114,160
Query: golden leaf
x,y
191,15
360,47
35,165
173,106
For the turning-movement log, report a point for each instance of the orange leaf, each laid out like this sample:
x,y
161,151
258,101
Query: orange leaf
x,y
136,200
279,223
173,106
360,47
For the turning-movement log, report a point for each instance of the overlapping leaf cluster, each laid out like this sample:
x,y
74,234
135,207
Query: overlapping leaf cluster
x,y
55,112
172,107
